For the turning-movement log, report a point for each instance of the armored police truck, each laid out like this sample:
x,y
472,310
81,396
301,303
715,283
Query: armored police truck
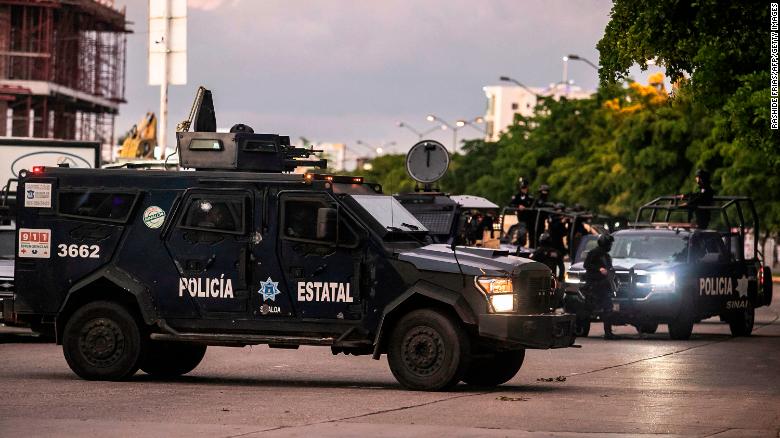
x,y
145,268
671,272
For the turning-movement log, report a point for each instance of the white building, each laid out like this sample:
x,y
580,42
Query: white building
x,y
505,101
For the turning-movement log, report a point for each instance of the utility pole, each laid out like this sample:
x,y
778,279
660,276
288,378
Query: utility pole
x,y
162,142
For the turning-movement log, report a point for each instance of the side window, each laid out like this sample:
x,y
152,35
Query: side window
x,y
709,249
301,217
110,206
219,214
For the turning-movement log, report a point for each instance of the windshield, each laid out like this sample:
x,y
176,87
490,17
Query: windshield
x,y
650,247
389,213
7,244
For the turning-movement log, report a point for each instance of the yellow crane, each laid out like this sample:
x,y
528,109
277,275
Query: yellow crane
x,y
141,139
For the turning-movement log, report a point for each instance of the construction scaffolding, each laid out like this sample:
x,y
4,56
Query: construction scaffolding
x,y
62,68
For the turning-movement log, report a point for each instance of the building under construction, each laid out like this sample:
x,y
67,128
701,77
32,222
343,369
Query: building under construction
x,y
62,67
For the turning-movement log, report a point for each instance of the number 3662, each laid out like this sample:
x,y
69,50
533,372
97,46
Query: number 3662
x,y
79,251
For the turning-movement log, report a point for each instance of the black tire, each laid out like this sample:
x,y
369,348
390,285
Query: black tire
x,y
681,329
494,369
102,341
767,275
428,351
172,359
741,323
647,328
582,328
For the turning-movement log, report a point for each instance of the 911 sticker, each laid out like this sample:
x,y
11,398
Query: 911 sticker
x,y
34,243
78,251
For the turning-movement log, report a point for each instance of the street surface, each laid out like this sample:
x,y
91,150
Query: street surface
x,y
712,385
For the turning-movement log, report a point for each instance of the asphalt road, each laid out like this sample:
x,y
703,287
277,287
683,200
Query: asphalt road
x,y
711,385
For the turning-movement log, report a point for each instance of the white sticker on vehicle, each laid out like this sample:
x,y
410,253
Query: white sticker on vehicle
x,y
78,251
154,217
37,195
34,243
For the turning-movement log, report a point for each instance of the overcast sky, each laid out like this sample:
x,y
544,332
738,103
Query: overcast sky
x,y
342,71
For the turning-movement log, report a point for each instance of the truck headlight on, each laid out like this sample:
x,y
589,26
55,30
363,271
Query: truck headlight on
x,y
499,292
662,281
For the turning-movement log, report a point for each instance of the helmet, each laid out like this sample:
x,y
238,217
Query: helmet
x,y
545,238
703,175
560,206
605,241
522,182
240,127
544,188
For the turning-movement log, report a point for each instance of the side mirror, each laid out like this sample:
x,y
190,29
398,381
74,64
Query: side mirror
x,y
327,224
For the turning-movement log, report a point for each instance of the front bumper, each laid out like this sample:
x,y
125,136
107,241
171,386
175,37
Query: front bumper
x,y
529,331
656,306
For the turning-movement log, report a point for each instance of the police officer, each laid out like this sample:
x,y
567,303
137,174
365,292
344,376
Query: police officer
x,y
703,196
523,201
558,229
549,255
543,197
598,264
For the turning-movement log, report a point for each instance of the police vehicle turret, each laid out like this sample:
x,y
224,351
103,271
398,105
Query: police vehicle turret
x,y
241,149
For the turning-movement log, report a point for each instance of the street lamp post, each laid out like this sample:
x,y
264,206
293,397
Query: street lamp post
x,y
518,83
473,123
378,150
445,126
419,134
580,58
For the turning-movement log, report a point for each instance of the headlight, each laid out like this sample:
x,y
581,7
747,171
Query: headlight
x,y
499,293
662,281
503,302
572,278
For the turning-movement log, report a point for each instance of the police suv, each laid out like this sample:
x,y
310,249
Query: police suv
x,y
145,268
670,272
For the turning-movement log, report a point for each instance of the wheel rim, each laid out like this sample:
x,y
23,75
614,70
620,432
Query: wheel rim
x,y
101,342
423,351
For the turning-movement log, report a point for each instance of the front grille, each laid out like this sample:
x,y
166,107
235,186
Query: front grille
x,y
435,222
627,285
535,294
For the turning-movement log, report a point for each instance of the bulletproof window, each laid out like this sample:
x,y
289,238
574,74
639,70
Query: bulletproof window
x,y
220,214
300,221
110,206
300,218
710,249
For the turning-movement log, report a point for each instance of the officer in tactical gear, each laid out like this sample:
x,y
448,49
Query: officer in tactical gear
x,y
703,196
558,229
549,255
523,201
543,197
598,281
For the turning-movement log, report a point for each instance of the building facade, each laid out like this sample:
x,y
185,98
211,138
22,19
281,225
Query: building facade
x,y
504,102
62,68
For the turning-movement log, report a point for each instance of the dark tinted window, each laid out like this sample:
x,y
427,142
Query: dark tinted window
x,y
300,218
99,205
215,214
300,221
